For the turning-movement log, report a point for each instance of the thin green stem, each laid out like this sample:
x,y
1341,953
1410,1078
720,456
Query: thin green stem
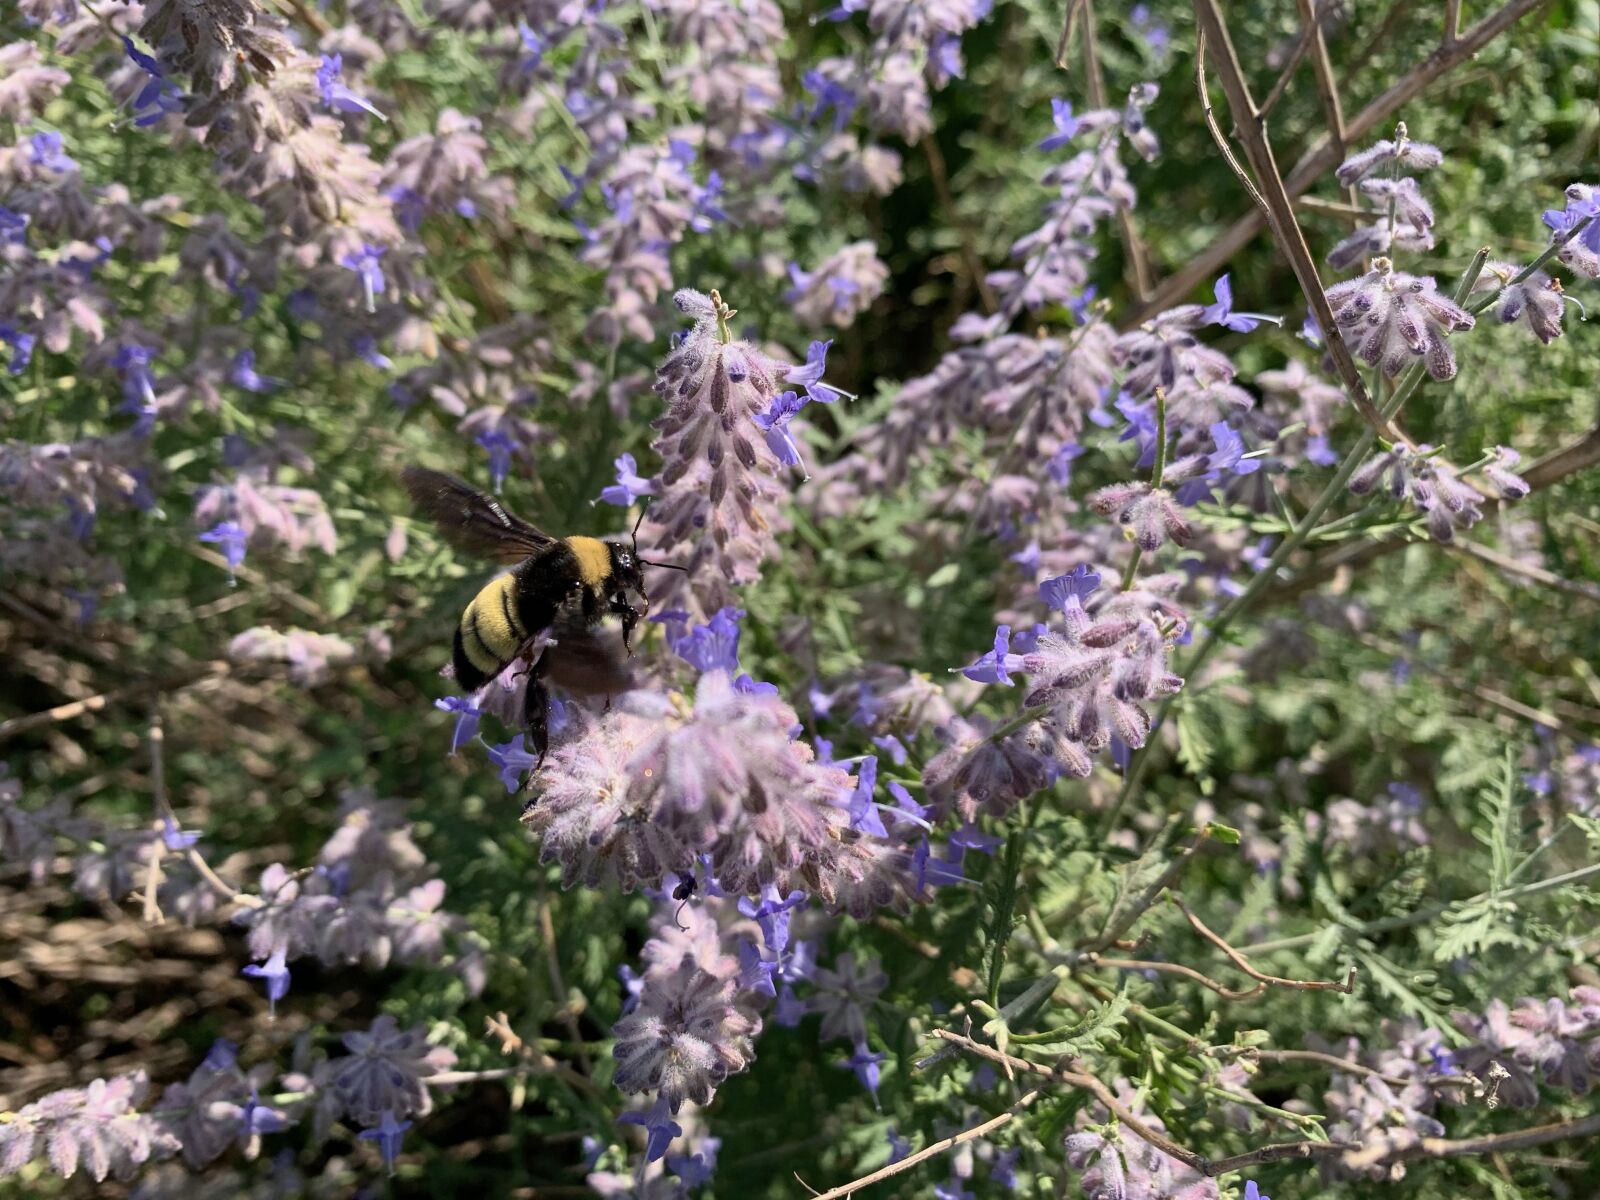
x,y
1132,568
1423,915
1161,438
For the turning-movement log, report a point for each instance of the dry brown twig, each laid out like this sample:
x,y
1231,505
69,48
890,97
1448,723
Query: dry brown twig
x,y
1061,1073
1273,198
1322,157
1243,963
927,1152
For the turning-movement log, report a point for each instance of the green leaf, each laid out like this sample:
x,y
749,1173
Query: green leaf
x,y
1101,1021
945,575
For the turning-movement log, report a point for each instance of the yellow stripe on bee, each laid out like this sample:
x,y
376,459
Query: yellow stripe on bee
x,y
491,634
594,560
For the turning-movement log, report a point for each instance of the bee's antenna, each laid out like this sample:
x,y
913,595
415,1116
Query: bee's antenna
x,y
664,566
681,926
643,508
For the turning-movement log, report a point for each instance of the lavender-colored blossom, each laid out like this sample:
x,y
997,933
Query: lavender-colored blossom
x,y
1499,471
1066,125
159,96
229,535
843,995
48,150
1575,229
467,717
660,1128
863,812
336,95
640,793
718,484
1384,155
1149,512
244,374
996,664
1222,312
687,1034
841,288
175,838
1538,299
385,1071
366,263
96,1128
774,425
1393,318
866,1064
389,1133
629,485
1120,1165
275,973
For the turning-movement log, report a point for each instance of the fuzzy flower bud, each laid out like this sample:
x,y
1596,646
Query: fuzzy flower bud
x,y
1391,317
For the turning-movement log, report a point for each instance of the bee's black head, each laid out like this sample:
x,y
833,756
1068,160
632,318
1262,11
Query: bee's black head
x,y
627,576
627,570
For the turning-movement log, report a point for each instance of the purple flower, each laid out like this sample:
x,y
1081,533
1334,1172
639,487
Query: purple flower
x,y
996,664
659,1126
230,535
244,375
1073,588
1416,156
275,971
713,646
892,746
1229,453
175,838
952,1189
863,813
689,1032
810,375
501,447
775,424
906,809
467,717
696,1169
1221,313
21,347
138,384
334,93
830,93
899,1147
365,263
1393,318
13,227
1066,125
1059,468
772,915
388,1134
970,837
1252,1191
257,1118
630,484
756,971
864,1063
533,47
366,349
1498,471
45,150
513,762
158,97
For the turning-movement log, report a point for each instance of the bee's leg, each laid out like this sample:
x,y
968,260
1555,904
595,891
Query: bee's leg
x,y
536,711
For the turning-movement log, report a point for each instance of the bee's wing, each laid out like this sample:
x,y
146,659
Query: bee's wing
x,y
471,521
587,660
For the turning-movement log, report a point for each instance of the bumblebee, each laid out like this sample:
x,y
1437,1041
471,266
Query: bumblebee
x,y
560,588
